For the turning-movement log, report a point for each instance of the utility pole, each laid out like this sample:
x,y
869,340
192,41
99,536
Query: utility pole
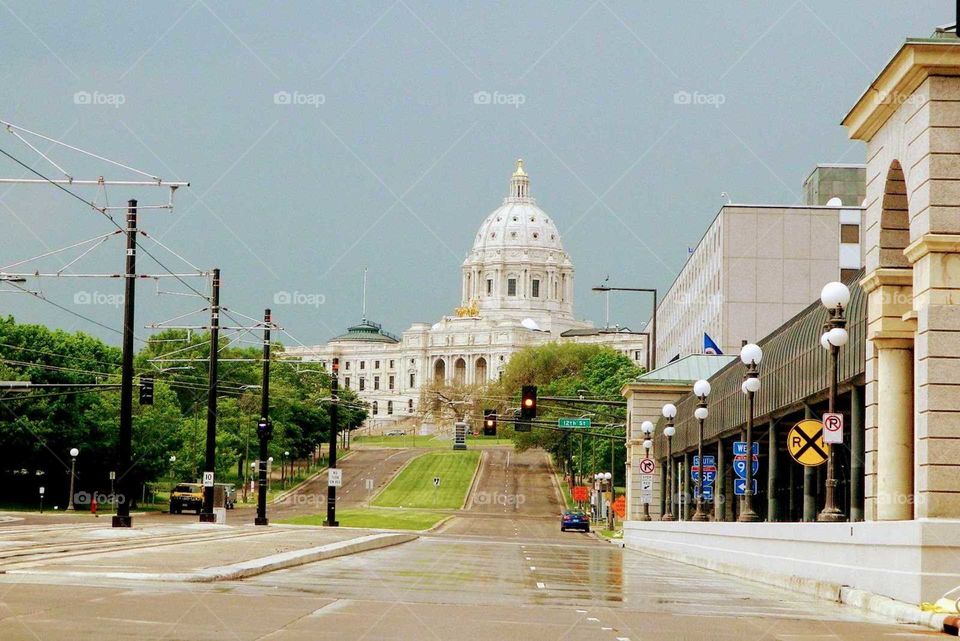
x,y
264,428
206,513
332,463
125,438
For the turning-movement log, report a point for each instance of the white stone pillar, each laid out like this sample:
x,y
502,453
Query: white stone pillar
x,y
895,496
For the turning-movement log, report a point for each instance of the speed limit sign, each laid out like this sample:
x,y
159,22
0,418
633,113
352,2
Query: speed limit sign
x,y
832,428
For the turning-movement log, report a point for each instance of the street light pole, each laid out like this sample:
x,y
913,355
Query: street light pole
x,y
265,425
210,455
834,297
647,428
125,433
750,355
653,338
702,389
669,412
74,452
332,456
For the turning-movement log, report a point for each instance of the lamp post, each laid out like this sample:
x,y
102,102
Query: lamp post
x,y
647,428
651,351
702,389
283,469
834,297
173,459
669,412
74,452
269,472
750,355
608,477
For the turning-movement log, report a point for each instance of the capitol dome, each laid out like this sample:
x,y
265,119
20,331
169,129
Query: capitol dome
x,y
518,222
517,267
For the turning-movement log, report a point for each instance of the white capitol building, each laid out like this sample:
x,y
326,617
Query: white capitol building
x,y
517,284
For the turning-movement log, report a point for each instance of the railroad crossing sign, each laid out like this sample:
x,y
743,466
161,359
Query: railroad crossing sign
x,y
805,443
573,422
833,428
647,466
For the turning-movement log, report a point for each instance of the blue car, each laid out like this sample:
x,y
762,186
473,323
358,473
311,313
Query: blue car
x,y
574,520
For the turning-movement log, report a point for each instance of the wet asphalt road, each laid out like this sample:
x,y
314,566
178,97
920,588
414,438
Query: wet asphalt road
x,y
500,571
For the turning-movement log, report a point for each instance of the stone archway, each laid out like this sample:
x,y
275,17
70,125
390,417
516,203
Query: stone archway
x,y
480,370
439,372
460,371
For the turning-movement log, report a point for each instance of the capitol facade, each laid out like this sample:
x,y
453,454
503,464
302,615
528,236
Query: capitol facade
x,y
517,284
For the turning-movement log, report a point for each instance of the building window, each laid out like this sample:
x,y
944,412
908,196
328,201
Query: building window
x,y
535,288
391,363
363,364
363,384
409,404
390,382
511,287
346,382
413,380
348,365
389,407
376,364
849,233
376,383
489,287
375,408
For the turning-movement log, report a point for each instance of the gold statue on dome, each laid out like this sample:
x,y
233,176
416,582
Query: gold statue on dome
x,y
468,311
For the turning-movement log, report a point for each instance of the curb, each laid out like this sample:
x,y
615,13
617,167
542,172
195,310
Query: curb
x,y
468,499
900,611
253,567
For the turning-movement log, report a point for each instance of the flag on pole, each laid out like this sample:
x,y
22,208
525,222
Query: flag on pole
x,y
709,347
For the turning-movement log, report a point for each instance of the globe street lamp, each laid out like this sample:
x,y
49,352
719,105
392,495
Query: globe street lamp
x,y
834,297
750,355
669,412
608,477
173,459
74,452
702,389
647,428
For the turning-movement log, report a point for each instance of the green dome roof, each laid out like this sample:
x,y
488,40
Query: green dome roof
x,y
367,332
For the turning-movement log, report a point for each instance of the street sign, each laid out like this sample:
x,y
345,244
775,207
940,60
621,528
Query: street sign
x,y
740,465
436,481
707,493
207,479
709,469
805,443
573,422
833,428
647,466
368,484
334,477
740,486
113,476
646,489
740,448
460,435
580,493
42,490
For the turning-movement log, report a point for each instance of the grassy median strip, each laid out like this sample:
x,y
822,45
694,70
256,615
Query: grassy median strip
x,y
371,517
414,487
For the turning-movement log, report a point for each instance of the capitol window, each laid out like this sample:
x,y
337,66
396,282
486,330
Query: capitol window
x,y
376,364
390,382
375,408
376,382
363,364
511,287
489,287
535,288
413,380
363,384
346,382
389,407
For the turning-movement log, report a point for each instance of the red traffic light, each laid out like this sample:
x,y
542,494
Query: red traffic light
x,y
528,402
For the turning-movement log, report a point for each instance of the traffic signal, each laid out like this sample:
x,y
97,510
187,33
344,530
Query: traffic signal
x,y
146,391
519,424
265,429
528,402
489,422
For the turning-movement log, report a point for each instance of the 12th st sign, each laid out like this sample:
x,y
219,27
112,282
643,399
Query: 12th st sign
x,y
573,422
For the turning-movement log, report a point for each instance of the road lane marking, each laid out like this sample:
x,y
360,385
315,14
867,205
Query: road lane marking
x,y
541,585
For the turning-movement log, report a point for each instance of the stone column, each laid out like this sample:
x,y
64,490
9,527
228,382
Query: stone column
x,y
894,429
856,454
685,476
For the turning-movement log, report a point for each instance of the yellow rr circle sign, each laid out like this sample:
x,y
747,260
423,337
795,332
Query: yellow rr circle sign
x,y
805,443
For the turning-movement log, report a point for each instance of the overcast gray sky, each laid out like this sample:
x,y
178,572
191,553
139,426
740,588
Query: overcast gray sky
x,y
320,138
